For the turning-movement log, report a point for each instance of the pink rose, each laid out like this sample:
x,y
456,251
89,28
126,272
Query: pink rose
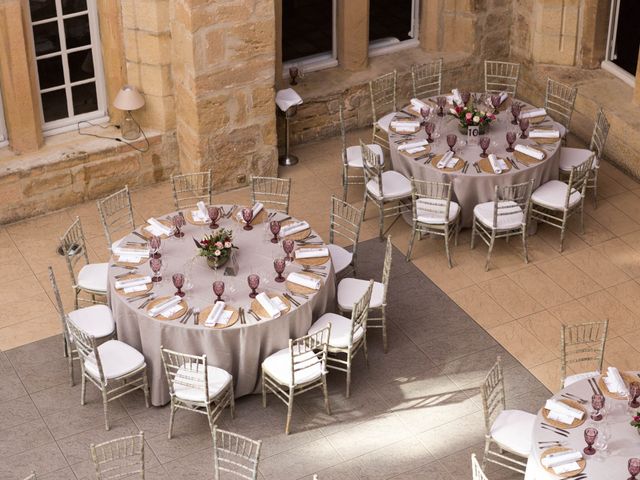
x,y
468,116
218,244
227,245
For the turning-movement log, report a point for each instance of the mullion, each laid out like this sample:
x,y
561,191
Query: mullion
x,y
65,58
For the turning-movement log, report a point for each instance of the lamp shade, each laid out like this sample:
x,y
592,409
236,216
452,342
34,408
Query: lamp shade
x,y
128,98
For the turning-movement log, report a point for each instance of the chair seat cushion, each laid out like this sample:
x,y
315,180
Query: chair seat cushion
x,y
512,430
394,185
93,276
579,376
432,210
340,256
572,157
218,379
553,195
350,290
278,366
340,329
385,121
96,320
117,359
354,155
510,215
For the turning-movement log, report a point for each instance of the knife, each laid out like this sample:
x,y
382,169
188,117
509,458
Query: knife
x,y
141,236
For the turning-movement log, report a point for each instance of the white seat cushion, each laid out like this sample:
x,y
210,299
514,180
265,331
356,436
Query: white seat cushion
x,y
572,157
340,329
510,215
579,376
350,290
385,121
278,366
394,185
117,359
341,257
553,194
431,211
512,430
93,276
218,379
96,320
354,155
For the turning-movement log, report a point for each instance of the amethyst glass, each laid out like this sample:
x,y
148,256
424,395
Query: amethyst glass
x,y
247,216
279,265
634,468
511,139
524,124
597,403
293,75
156,265
495,102
287,246
254,281
218,289
452,139
515,111
154,243
274,226
441,102
590,435
634,393
465,96
178,282
429,128
425,112
178,222
214,215
484,144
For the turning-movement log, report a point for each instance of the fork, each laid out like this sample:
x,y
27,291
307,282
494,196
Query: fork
x,y
315,272
138,297
184,317
291,299
255,315
146,302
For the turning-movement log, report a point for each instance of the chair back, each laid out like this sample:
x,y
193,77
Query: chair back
x,y
427,79
360,314
119,458
431,199
345,222
235,455
493,394
191,188
87,349
59,305
386,269
272,192
309,351
372,167
476,469
582,343
74,246
599,135
116,214
578,179
343,135
501,77
510,200
185,370
383,95
559,101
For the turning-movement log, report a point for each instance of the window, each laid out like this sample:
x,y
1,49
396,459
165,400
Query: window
x,y
308,34
624,40
393,24
68,61
3,128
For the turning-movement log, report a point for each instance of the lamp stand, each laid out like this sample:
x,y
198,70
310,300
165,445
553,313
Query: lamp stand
x,y
129,127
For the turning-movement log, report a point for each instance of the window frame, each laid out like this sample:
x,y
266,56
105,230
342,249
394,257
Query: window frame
x,y
414,33
608,64
4,140
70,122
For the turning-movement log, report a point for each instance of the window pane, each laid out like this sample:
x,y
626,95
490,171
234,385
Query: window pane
x,y
54,105
73,6
390,20
42,9
307,28
85,98
46,38
628,36
76,31
81,65
50,72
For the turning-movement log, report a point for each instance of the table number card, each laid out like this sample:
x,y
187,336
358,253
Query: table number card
x,y
473,132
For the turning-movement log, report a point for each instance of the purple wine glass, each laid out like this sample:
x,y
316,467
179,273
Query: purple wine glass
x,y
524,124
287,246
429,128
511,139
178,223
465,96
278,265
293,75
425,112
452,139
214,215
597,403
247,216
515,111
634,468
218,290
441,102
495,102
178,282
484,144
274,226
634,393
156,266
590,435
254,281
154,243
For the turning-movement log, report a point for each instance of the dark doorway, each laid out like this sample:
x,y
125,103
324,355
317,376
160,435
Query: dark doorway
x,y
390,19
627,36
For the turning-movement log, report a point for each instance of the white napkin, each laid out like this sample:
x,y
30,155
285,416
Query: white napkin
x,y
445,159
202,214
536,112
411,145
565,413
405,126
312,252
497,164
418,104
413,151
614,382
279,304
132,282
532,152
218,315
136,288
170,311
503,97
566,468
157,228
268,306
544,134
456,96
165,306
131,251
287,98
257,208
129,258
304,280
294,227
562,462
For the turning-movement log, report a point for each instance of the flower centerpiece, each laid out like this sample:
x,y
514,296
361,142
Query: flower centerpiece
x,y
217,247
635,422
468,116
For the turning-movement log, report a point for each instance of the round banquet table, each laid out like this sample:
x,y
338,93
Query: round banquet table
x,y
239,348
472,188
623,444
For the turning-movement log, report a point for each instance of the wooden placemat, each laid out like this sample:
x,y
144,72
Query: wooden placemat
x,y
189,218
260,218
485,166
576,422
546,141
427,149
416,129
526,159
582,463
295,236
158,301
146,234
149,286
457,168
257,308
295,288
627,377
206,311
312,261
506,104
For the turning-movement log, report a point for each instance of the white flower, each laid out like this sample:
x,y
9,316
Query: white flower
x,y
227,245
476,119
217,253
453,111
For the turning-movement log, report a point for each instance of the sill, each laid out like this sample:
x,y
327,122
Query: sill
x,y
621,73
310,64
383,47
100,120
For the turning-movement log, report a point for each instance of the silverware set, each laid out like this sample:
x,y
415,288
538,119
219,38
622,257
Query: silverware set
x,y
126,267
475,165
140,235
139,297
550,443
255,315
146,302
594,386
316,271
513,163
186,316
575,398
557,430
465,167
129,272
291,299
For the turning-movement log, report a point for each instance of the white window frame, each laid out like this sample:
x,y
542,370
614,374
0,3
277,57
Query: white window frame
x,y
4,140
99,115
319,61
608,64
382,47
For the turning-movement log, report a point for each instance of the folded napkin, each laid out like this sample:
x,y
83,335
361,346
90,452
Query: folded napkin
x,y
134,289
414,150
312,252
129,258
257,208
536,112
279,304
287,98
157,228
562,462
544,134
456,96
447,161
131,251
304,280
418,104
410,145
218,315
165,306
497,164
532,152
503,97
562,412
267,304
201,214
132,282
292,228
406,126
614,382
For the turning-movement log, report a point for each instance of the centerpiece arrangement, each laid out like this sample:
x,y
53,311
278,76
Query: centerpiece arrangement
x,y
217,247
469,116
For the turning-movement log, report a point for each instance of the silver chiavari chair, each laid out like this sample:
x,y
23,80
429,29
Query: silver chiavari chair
x,y
95,320
501,77
345,222
348,335
559,102
91,278
114,367
508,430
116,214
299,368
119,458
572,157
234,454
196,387
384,188
555,202
272,192
434,213
383,106
505,217
582,344
426,79
476,469
191,188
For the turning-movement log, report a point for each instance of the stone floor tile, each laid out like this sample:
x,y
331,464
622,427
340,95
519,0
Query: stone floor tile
x,y
573,280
